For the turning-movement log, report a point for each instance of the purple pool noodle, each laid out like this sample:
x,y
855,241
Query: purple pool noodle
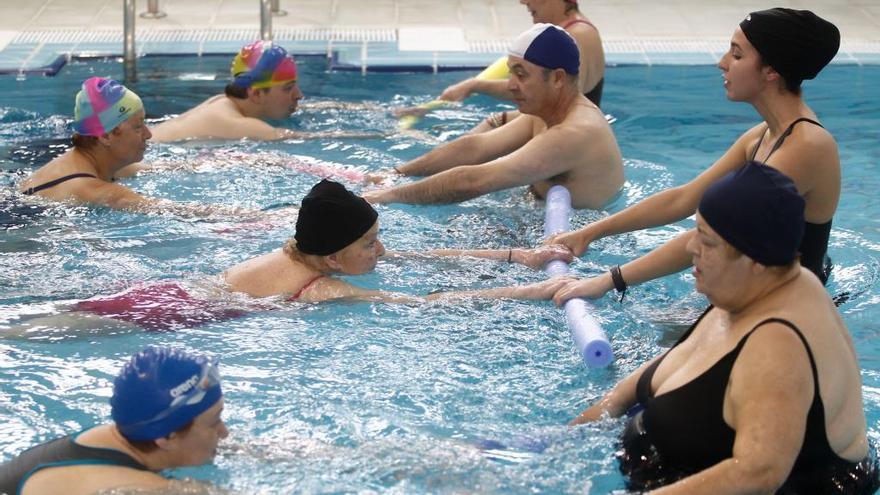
x,y
586,332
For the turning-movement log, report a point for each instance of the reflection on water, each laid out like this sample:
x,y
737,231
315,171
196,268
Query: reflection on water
x,y
446,397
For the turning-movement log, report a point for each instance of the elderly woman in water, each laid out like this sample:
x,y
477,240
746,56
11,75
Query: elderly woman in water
x,y
337,233
109,137
762,394
166,407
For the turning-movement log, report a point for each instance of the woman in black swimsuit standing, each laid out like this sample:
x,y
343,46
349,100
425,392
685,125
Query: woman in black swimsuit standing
x,y
771,52
763,393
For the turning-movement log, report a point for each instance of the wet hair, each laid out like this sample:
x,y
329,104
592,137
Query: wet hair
x,y
233,90
290,249
571,6
150,446
83,142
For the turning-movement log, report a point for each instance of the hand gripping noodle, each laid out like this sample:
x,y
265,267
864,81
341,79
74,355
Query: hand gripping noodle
x,y
160,390
587,334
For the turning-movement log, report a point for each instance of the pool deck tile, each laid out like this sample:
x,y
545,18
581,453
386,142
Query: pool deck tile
x,y
650,32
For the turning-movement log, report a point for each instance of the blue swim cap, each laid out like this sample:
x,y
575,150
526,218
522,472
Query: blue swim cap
x,y
548,46
160,390
757,209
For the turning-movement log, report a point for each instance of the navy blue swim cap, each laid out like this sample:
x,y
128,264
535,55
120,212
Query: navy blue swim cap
x,y
548,46
331,217
796,43
160,390
757,209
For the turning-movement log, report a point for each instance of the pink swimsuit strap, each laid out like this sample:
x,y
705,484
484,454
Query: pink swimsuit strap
x,y
304,287
579,21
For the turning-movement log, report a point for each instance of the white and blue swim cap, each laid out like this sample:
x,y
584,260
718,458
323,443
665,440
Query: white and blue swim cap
x,y
162,389
548,46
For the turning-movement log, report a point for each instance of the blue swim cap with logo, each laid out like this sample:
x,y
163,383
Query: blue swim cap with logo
x,y
160,390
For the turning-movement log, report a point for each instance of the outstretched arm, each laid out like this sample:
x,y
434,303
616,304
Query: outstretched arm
x,y
338,134
470,150
547,155
122,198
532,258
671,257
536,291
328,288
461,90
661,208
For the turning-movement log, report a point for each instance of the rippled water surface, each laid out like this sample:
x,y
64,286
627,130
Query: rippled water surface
x,y
360,397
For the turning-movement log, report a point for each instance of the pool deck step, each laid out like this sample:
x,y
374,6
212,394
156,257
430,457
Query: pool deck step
x,y
351,48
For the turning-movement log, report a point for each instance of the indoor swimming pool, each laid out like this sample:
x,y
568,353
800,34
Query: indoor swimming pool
x,y
444,397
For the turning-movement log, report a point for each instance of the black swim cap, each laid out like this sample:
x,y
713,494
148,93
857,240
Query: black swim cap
x,y
796,43
331,218
758,210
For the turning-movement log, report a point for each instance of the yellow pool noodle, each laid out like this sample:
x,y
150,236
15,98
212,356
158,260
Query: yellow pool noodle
x,y
496,71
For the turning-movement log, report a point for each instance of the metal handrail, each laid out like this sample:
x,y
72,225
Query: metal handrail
x,y
153,11
128,49
276,9
268,8
265,20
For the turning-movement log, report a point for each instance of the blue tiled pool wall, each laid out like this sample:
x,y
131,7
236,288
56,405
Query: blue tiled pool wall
x,y
376,50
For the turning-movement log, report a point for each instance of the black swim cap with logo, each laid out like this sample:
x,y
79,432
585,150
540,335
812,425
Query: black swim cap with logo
x,y
796,43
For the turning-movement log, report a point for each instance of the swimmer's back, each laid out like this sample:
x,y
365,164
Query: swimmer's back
x,y
269,275
215,118
74,465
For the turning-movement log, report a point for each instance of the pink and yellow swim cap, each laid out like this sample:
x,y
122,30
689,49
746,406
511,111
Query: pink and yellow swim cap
x,y
262,64
103,104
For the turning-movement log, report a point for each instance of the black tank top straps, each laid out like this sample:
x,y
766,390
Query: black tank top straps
x,y
60,452
681,432
814,245
52,183
781,139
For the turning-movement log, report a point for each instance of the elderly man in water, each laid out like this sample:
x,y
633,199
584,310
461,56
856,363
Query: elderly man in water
x,y
563,138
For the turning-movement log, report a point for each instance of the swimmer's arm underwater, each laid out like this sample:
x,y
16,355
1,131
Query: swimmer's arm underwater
x,y
617,401
185,486
341,105
339,134
532,258
536,291
329,288
122,198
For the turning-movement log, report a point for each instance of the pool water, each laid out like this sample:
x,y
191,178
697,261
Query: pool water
x,y
368,397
